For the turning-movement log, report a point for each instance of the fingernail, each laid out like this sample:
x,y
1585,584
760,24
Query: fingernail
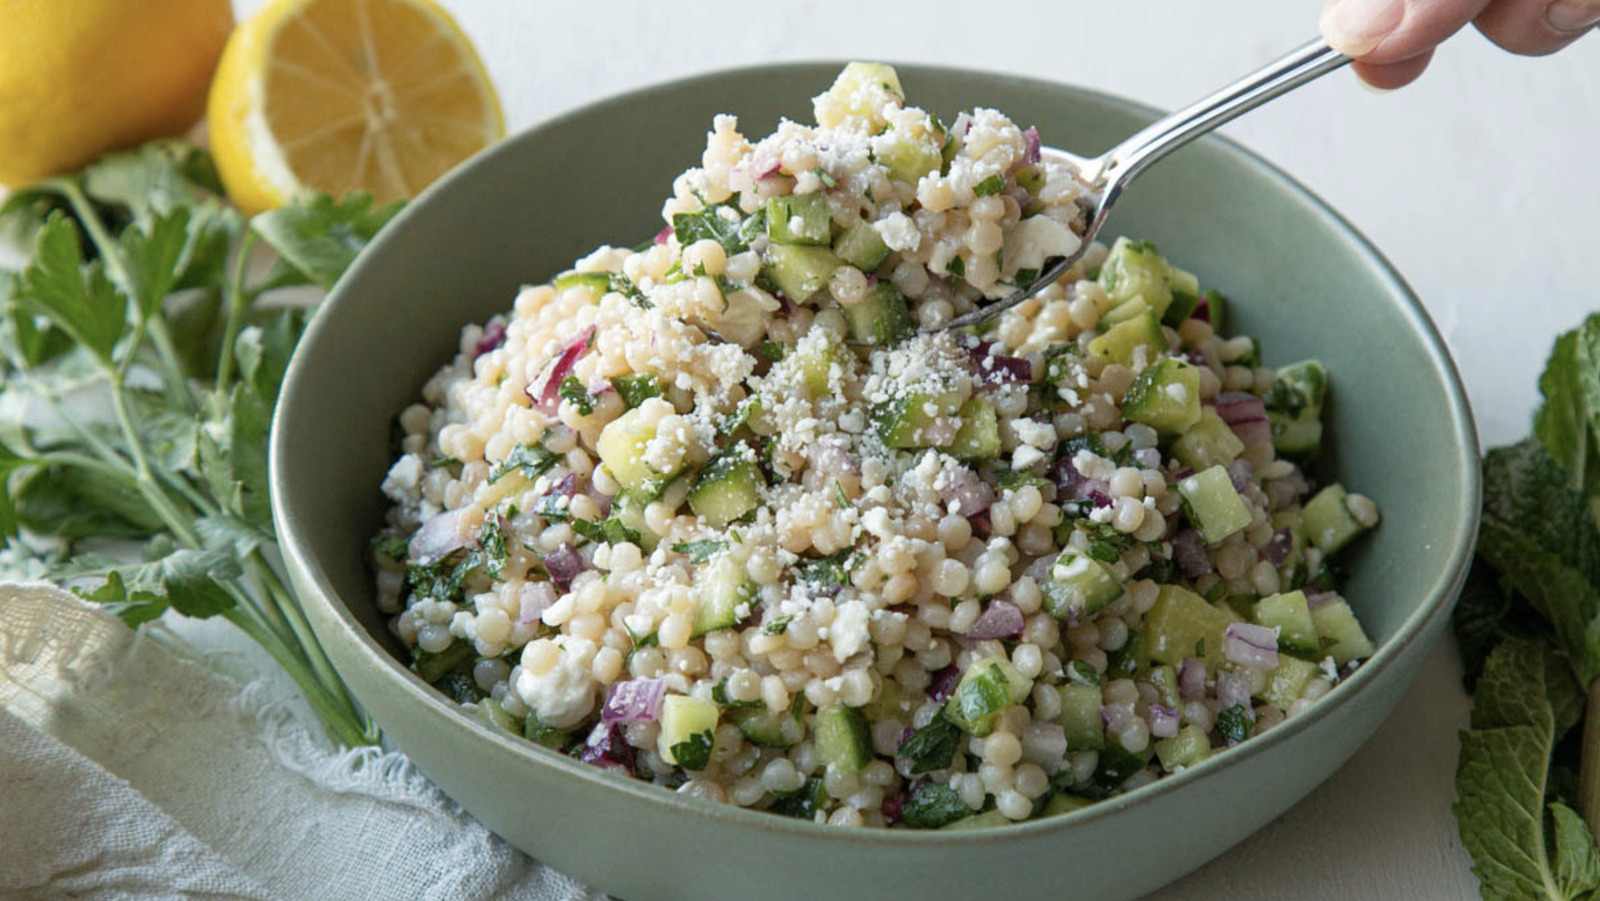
x,y
1357,27
1573,15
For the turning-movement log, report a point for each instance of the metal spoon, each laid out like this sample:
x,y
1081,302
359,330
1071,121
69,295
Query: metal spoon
x,y
1105,176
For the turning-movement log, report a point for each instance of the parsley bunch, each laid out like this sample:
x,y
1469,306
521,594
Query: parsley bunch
x,y
140,360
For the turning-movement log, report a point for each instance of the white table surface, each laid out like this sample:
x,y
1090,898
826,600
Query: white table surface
x,y
1473,181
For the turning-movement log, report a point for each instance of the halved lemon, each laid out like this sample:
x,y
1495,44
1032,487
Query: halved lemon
x,y
338,95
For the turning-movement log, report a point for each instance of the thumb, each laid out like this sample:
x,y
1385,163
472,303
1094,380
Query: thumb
x,y
1537,27
1392,40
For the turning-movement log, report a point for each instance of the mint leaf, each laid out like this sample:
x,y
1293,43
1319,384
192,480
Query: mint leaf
x,y
320,236
492,542
699,551
1527,491
1487,613
78,298
932,747
933,805
1234,723
1525,702
694,753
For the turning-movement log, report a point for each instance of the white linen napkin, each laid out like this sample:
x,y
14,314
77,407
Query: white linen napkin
x,y
128,770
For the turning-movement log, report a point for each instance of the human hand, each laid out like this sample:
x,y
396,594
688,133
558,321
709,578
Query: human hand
x,y
1392,41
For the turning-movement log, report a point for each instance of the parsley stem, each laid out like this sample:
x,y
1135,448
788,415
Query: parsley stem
x,y
94,442
289,608
340,723
110,252
1589,767
153,495
237,302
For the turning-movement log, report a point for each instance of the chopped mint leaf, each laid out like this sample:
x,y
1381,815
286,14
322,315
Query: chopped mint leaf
x,y
1024,277
1082,673
774,351
573,390
802,803
824,177
719,693
693,753
1235,723
395,547
932,805
637,387
990,186
1011,480
777,626
932,747
956,267
700,551
492,542
607,531
533,460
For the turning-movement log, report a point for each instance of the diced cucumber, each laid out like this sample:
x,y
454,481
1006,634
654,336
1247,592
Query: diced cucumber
x,y
727,488
987,687
1134,269
598,282
1287,683
1183,282
629,511
1181,308
861,246
489,711
907,156
861,90
1181,624
989,819
1080,717
908,421
1294,563
724,593
1216,310
842,738
621,447
688,726
799,271
1030,179
892,702
1294,408
1211,504
1122,313
1165,396
770,729
534,730
1341,632
1209,442
1164,679
1061,802
1327,520
1187,748
978,438
432,667
879,318
1079,586
799,219
1119,344
1288,613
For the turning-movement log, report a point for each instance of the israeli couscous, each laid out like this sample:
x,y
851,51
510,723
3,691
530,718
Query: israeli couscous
x,y
715,513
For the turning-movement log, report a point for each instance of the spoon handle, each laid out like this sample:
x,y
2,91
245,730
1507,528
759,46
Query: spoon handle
x,y
1126,160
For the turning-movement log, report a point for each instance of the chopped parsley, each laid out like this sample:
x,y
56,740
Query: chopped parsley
x,y
607,531
823,176
839,497
801,803
990,186
492,542
637,387
777,626
826,573
395,547
719,693
533,460
700,551
956,267
774,350
932,747
1012,479
694,752
933,805
1024,277
1234,723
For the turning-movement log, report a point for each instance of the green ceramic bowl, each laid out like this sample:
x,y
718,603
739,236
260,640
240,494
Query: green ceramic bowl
x,y
1300,278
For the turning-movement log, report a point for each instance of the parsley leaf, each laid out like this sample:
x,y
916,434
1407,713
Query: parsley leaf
x,y
637,387
777,625
932,805
1235,723
608,531
734,231
78,298
321,236
533,460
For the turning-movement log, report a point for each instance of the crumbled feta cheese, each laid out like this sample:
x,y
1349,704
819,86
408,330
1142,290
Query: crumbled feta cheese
x,y
848,631
564,694
899,232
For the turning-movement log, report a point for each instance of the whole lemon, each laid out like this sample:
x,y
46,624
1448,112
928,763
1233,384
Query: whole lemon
x,y
81,77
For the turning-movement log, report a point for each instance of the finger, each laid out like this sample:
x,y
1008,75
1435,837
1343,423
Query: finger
x,y
1388,76
1383,32
1537,27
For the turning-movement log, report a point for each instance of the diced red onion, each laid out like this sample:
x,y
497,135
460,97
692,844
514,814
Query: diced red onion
x,y
662,236
1321,598
997,368
1189,553
1030,148
545,390
1191,679
438,538
943,683
607,748
602,502
764,164
964,493
1277,550
494,335
891,809
1248,644
1202,311
1000,619
1233,690
533,600
981,526
1163,721
1116,717
1020,195
786,307
564,564
1239,474
1246,415
633,701
1044,743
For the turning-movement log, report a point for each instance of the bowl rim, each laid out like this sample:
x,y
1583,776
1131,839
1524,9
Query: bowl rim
x,y
298,555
